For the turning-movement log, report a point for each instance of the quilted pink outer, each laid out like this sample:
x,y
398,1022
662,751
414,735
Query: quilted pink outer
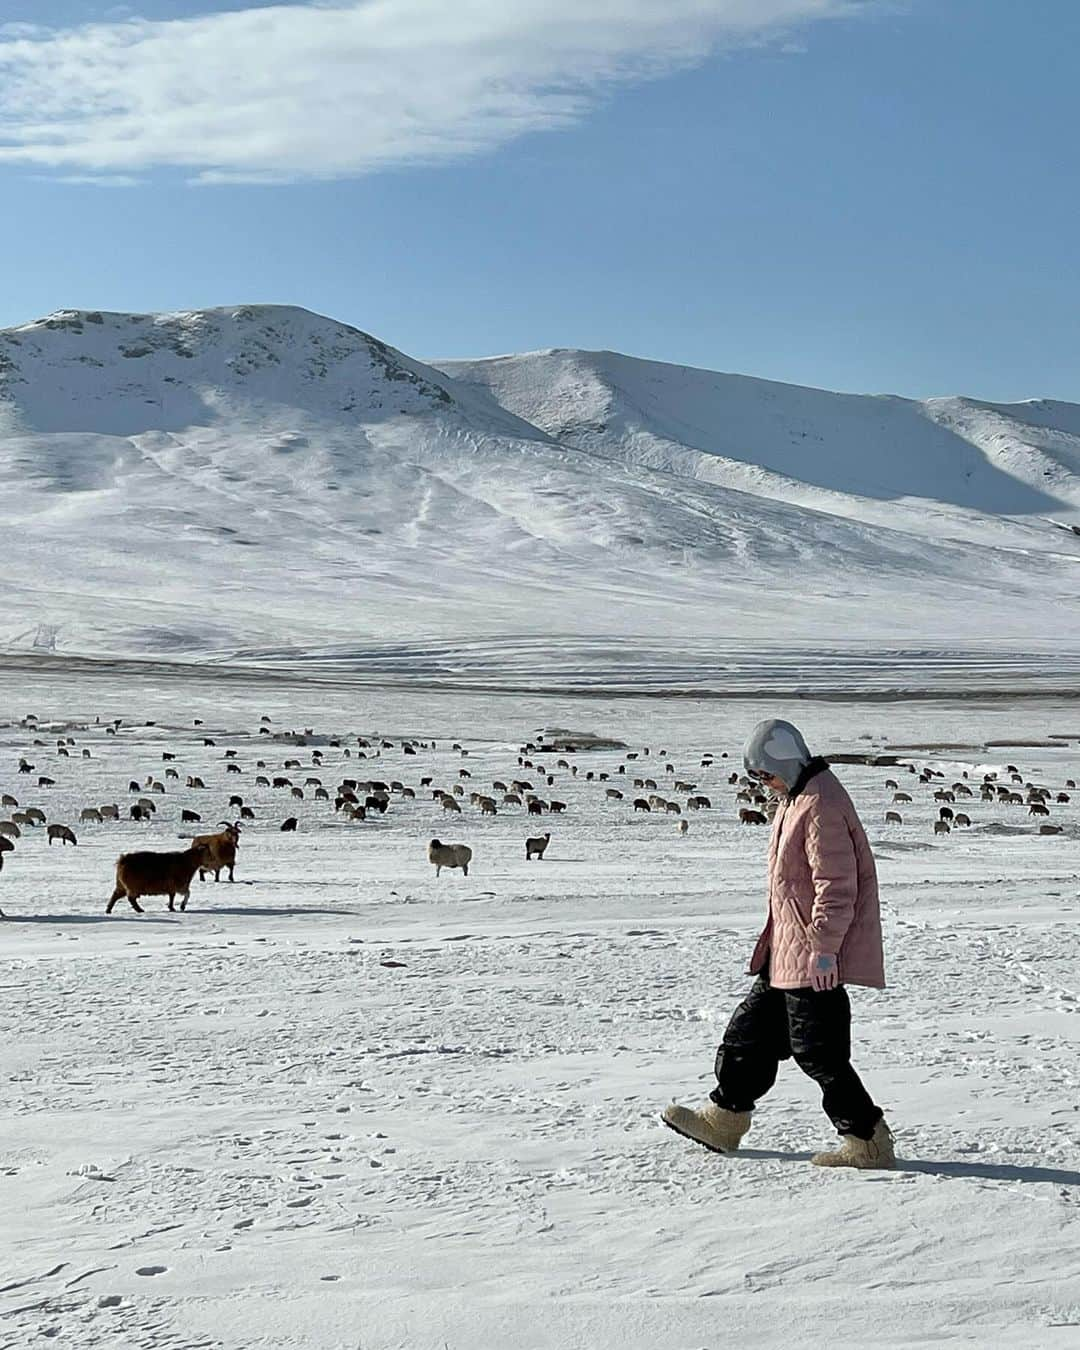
x,y
823,893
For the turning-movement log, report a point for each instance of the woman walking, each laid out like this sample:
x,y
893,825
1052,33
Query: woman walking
x,y
823,931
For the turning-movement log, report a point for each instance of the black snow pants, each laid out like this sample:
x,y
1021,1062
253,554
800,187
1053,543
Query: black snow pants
x,y
812,1028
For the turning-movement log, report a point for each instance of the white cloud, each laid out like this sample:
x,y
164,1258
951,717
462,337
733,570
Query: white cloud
x,y
333,90
111,180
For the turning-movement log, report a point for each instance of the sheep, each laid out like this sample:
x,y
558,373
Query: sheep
x,y
288,824
221,849
536,806
944,795
673,808
901,797
378,802
961,819
1038,809
640,804
61,832
189,817
449,855
246,813
296,792
450,804
34,815
20,818
556,808
683,826
511,799
46,782
945,813
487,807
321,794
110,811
893,818
9,830
749,817
699,803
282,782
1062,797
891,784
145,873
536,845
194,781
941,827
613,794
6,845
8,800
90,813
147,805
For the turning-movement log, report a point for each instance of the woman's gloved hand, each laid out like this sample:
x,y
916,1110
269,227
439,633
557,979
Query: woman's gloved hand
x,y
823,972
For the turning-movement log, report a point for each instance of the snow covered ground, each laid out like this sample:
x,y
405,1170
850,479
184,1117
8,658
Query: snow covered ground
x,y
343,1104
262,480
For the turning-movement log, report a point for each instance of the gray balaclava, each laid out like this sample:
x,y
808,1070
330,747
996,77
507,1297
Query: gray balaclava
x,y
776,748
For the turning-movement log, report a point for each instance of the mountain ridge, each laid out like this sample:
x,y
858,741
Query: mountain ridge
x,y
261,477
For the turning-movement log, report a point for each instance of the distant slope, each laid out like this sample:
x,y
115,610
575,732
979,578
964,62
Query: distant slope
x,y
941,467
265,479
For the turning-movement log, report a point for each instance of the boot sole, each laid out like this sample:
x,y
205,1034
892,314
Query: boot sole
x,y
723,1152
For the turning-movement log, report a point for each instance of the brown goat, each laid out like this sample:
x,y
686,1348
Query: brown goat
x,y
139,874
221,850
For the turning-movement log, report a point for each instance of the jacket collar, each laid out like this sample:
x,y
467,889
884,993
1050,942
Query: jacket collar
x,y
817,765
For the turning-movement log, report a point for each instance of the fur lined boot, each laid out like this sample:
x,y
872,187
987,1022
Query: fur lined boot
x,y
876,1151
711,1125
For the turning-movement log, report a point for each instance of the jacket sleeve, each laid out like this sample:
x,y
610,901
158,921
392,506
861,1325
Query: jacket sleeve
x,y
830,851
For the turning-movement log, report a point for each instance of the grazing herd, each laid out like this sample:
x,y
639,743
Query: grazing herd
x,y
992,791
541,764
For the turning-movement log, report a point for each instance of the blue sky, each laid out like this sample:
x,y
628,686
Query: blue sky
x,y
880,200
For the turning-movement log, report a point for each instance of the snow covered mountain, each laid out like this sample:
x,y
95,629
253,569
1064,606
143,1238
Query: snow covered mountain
x,y
262,479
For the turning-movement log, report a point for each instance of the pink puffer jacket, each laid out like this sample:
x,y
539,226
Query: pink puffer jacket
x,y
823,894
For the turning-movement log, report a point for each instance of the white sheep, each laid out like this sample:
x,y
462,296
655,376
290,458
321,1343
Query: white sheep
x,y
449,855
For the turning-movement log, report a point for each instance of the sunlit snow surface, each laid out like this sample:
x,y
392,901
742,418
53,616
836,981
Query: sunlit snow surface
x,y
343,1104
259,479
